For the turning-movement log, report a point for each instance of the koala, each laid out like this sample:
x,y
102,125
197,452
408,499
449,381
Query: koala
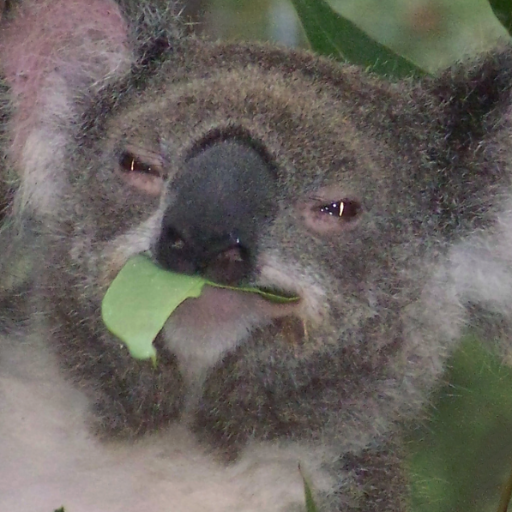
x,y
384,206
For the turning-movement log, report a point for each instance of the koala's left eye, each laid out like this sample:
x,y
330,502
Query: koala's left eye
x,y
130,163
344,208
139,173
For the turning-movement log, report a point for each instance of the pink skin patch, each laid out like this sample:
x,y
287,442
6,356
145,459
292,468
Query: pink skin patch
x,y
51,35
202,330
216,306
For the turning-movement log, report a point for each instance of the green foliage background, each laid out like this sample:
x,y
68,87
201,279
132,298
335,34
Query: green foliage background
x,y
433,33
461,454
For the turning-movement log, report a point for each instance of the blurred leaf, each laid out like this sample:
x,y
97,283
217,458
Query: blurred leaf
x,y
461,458
310,503
331,34
503,11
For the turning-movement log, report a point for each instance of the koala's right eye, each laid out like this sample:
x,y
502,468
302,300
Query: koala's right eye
x,y
326,214
143,175
344,209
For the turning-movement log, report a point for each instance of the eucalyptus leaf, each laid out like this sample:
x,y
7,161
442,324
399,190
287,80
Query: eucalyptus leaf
x,y
140,300
331,34
270,296
503,11
143,296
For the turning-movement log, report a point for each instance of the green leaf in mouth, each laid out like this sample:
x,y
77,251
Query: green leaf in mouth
x,y
143,296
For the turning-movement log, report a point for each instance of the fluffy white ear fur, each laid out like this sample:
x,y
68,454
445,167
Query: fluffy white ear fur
x,y
52,51
481,267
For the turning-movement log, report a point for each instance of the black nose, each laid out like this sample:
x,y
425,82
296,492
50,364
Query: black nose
x,y
219,204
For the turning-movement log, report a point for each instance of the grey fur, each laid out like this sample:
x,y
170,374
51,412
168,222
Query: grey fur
x,y
384,296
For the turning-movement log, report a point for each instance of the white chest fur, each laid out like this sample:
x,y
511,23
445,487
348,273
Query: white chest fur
x,y
50,460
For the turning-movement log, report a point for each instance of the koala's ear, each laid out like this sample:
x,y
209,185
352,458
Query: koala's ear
x,y
474,98
152,27
52,54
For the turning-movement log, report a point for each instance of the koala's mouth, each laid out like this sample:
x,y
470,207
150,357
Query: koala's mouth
x,y
202,330
144,298
236,306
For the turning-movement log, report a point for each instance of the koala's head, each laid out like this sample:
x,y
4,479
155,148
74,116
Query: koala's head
x,y
249,166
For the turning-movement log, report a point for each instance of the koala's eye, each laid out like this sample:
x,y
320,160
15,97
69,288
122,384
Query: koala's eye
x,y
141,174
345,209
325,216
130,163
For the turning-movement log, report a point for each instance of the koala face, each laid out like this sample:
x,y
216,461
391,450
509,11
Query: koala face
x,y
375,203
265,175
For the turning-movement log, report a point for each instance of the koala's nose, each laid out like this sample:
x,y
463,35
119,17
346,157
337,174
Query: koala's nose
x,y
219,205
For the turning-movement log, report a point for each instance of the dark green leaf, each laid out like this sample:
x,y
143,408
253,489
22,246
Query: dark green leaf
x,y
461,458
331,34
268,295
503,11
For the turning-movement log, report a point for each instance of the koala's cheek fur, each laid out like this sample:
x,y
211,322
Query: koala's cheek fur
x,y
117,252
